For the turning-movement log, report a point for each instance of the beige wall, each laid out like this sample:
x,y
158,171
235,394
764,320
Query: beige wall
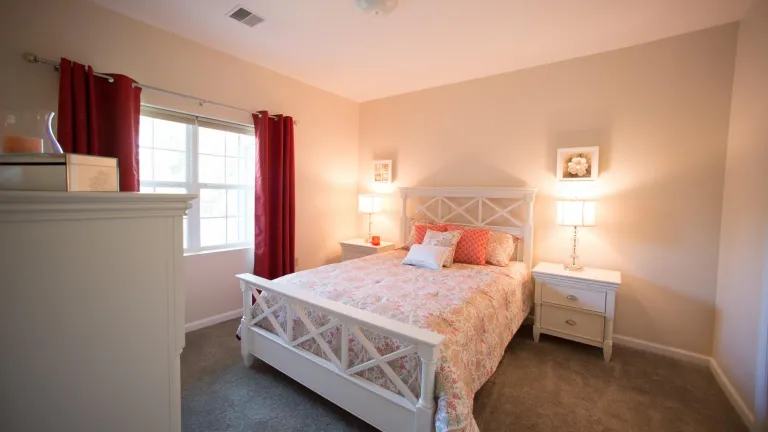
x,y
744,235
659,113
326,138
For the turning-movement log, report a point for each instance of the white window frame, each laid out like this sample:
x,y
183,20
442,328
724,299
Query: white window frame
x,y
192,185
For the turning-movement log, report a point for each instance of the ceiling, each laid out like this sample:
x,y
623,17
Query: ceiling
x,y
330,44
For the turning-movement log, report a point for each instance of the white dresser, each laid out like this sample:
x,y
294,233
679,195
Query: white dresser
x,y
576,305
91,311
358,248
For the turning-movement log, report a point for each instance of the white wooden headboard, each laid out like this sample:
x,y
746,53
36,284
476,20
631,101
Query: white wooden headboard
x,y
498,208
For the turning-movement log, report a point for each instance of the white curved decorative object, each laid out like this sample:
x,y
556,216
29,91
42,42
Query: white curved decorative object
x,y
50,138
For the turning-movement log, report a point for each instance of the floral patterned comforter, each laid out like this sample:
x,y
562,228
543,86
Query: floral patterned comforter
x,y
477,309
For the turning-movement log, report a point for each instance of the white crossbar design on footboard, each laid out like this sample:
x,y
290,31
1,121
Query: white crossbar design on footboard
x,y
334,379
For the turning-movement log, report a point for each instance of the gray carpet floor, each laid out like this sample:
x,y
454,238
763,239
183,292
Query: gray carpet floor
x,y
555,385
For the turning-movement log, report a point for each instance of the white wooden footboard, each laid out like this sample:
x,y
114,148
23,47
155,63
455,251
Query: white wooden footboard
x,y
335,380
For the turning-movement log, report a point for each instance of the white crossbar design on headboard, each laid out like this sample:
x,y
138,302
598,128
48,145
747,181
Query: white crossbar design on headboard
x,y
479,211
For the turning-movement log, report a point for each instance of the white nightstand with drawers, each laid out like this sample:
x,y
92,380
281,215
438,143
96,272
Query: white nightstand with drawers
x,y
576,305
358,248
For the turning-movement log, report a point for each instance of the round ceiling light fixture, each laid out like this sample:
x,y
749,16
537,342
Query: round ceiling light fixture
x,y
377,7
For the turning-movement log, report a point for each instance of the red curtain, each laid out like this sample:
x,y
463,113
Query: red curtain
x,y
275,203
100,118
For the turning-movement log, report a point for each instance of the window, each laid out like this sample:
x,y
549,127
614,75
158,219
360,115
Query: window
x,y
181,153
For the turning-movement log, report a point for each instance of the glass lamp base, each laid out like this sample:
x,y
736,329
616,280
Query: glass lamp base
x,y
573,267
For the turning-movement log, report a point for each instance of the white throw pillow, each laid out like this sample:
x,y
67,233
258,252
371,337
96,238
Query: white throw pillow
x,y
430,257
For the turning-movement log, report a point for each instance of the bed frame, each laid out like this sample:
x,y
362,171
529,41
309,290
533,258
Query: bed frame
x,y
335,380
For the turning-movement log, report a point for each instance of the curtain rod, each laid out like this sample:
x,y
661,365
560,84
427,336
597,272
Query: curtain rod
x,y
32,58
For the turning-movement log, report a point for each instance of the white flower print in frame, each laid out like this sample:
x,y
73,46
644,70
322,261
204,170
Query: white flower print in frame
x,y
577,163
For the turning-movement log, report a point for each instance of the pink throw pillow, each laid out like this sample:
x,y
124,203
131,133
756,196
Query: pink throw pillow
x,y
472,245
420,230
447,239
501,248
412,232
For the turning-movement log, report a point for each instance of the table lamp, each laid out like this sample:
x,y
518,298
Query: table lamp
x,y
575,213
369,204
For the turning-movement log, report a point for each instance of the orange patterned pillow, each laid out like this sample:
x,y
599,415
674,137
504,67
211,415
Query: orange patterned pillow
x,y
419,230
472,245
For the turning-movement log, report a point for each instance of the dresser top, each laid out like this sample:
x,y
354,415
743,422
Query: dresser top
x,y
362,242
32,205
104,197
545,269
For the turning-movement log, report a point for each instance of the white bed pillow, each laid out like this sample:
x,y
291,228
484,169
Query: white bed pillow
x,y
429,257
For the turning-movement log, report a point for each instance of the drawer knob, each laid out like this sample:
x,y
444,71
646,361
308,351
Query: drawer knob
x,y
572,297
570,322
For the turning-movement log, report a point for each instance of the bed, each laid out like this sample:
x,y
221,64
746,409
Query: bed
x,y
403,348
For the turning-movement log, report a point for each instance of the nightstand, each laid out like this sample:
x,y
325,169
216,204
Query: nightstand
x,y
358,248
576,305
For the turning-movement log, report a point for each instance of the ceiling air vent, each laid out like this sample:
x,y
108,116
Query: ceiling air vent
x,y
245,16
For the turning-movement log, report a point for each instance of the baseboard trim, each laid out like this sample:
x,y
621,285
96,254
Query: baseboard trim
x,y
730,392
662,349
207,322
746,414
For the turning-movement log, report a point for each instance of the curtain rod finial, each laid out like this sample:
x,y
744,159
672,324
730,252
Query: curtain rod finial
x,y
31,58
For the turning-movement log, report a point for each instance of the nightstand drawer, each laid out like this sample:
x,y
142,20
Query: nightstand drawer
x,y
358,248
362,250
351,254
573,297
573,322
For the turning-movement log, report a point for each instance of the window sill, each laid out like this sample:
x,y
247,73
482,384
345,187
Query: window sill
x,y
217,250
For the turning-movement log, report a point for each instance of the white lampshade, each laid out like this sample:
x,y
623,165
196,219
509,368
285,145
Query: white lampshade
x,y
369,204
576,213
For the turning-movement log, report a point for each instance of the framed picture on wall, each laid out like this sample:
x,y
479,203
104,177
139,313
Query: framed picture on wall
x,y
382,171
578,163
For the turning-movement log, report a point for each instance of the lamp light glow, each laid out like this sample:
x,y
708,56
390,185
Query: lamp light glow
x,y
575,213
369,204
